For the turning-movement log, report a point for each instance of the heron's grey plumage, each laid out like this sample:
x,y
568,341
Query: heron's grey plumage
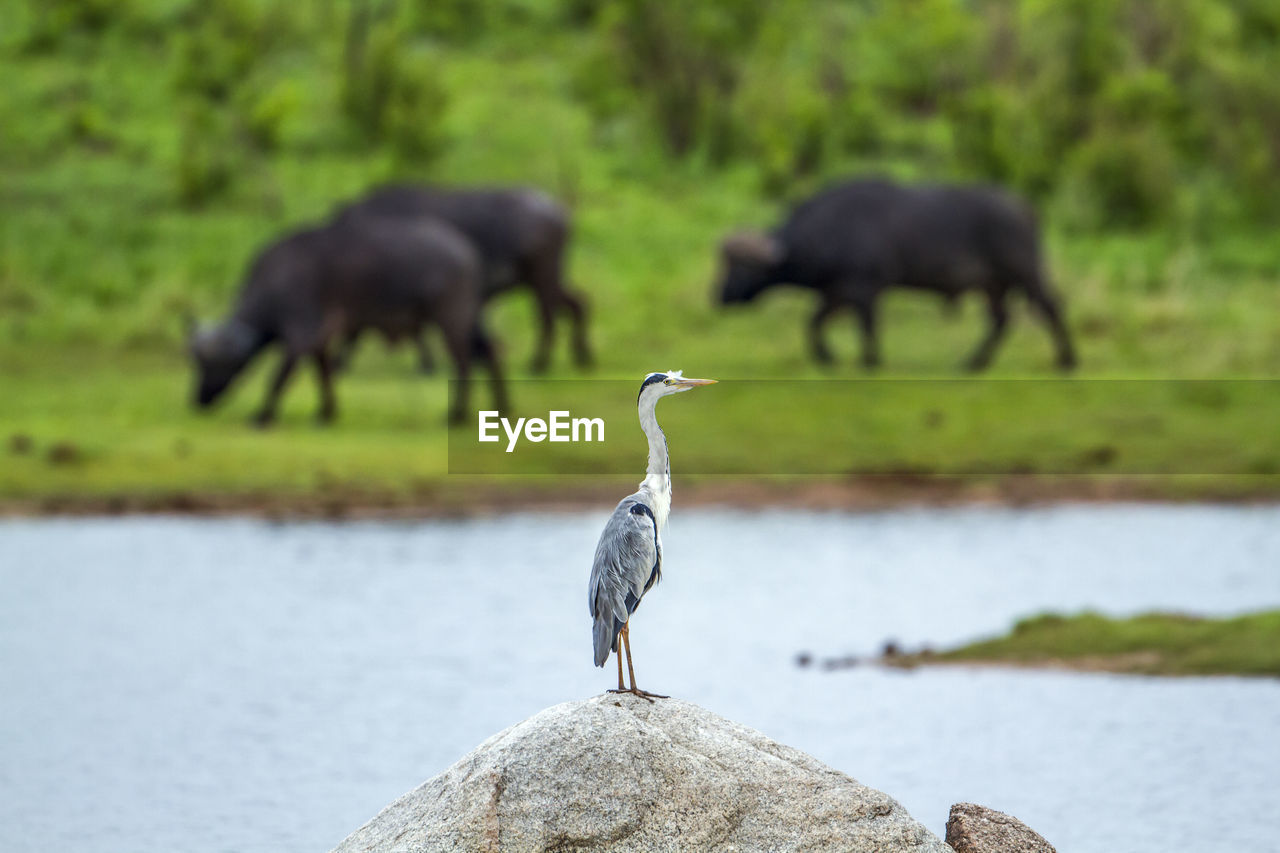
x,y
628,559
628,562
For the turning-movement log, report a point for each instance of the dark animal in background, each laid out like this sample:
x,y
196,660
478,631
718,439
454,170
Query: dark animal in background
x,y
521,235
854,240
318,287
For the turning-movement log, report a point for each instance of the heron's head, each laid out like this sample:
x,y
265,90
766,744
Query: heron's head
x,y
657,385
749,263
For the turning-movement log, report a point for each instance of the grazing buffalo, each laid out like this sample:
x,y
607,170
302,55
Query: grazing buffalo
x,y
522,236
854,240
318,287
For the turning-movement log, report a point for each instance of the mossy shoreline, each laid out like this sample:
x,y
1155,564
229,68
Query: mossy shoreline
x,y
1147,644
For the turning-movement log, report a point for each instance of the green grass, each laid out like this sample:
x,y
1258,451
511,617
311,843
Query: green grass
x,y
1151,644
98,261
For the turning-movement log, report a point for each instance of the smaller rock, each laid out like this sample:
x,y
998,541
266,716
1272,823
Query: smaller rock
x,y
977,829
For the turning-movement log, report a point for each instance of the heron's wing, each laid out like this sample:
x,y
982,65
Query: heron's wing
x,y
627,562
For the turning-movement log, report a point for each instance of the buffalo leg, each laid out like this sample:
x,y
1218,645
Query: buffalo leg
x,y
998,313
865,310
546,276
951,304
1048,309
345,351
573,303
487,353
459,340
817,343
267,413
324,375
426,363
546,332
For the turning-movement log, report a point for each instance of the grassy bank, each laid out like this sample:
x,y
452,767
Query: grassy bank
x,y
89,430
1148,644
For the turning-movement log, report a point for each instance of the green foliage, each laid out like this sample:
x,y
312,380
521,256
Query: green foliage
x,y
207,160
88,125
915,54
215,49
1110,114
791,138
265,113
464,21
53,21
223,115
681,62
1122,110
1120,179
388,92
1122,113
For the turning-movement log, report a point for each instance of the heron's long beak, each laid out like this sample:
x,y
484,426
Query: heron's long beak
x,y
686,384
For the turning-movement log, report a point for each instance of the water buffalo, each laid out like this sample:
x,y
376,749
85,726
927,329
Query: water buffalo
x,y
521,235
852,241
320,286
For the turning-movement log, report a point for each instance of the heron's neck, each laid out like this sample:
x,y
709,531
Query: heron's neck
x,y
657,477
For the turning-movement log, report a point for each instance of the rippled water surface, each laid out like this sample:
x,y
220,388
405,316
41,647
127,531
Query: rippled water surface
x,y
237,685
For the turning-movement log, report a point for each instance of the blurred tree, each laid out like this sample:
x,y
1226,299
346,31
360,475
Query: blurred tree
x,y
227,113
53,20
388,93
206,163
1109,113
682,62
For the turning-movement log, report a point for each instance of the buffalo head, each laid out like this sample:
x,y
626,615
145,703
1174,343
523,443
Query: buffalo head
x,y
750,260
220,353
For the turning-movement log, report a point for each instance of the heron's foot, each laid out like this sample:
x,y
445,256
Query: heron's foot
x,y
636,691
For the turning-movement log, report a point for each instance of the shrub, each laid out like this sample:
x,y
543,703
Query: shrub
x,y
389,94
415,111
206,153
52,22
1121,179
266,113
786,136
216,48
682,64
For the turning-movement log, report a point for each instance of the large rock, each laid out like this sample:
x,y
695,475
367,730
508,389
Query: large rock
x,y
619,773
977,829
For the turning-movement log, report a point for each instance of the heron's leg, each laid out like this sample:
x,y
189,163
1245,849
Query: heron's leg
x,y
618,655
621,643
626,641
643,694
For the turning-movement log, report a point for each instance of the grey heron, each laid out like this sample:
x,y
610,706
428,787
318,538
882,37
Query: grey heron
x,y
628,559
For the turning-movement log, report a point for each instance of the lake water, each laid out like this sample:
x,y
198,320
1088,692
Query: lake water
x,y
239,685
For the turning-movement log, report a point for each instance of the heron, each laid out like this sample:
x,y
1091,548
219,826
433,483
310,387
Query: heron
x,y
628,559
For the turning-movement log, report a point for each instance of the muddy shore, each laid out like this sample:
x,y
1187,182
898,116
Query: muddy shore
x,y
475,496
